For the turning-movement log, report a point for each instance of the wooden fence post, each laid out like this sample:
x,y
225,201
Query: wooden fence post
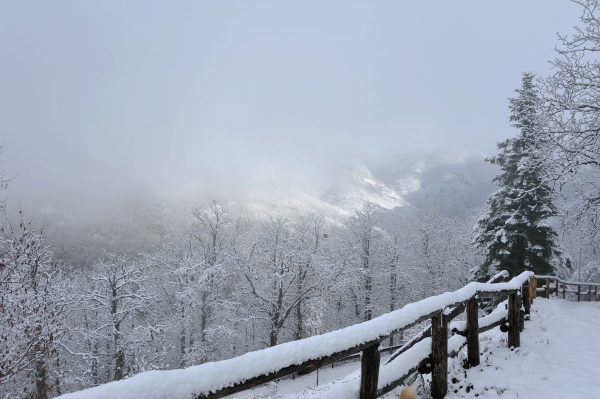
x,y
521,312
514,336
596,294
547,288
526,302
369,372
590,293
564,291
578,292
439,356
473,332
531,290
557,288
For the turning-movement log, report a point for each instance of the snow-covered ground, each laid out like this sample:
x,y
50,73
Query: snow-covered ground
x,y
305,386
559,357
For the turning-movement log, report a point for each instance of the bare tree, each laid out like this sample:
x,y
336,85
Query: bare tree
x,y
199,265
274,270
31,312
400,274
364,237
119,295
3,183
571,108
309,236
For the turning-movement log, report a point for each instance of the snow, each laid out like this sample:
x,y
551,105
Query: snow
x,y
554,361
349,388
456,342
498,314
497,276
210,377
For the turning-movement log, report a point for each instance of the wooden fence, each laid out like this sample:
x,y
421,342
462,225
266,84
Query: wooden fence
x,y
437,356
560,286
427,351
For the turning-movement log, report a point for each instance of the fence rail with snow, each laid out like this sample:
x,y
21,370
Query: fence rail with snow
x,y
546,288
432,346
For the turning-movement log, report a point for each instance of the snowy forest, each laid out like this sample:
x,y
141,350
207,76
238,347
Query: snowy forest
x,y
152,285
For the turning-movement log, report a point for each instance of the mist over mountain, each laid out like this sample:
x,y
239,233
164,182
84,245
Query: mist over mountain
x,y
400,185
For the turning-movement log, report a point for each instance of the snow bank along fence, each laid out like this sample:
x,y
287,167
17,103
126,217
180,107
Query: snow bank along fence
x,y
561,286
427,351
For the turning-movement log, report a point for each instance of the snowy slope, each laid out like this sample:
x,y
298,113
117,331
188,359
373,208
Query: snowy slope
x,y
357,185
452,183
558,357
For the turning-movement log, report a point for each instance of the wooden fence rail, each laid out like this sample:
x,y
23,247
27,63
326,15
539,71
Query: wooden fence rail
x,y
425,333
370,352
546,288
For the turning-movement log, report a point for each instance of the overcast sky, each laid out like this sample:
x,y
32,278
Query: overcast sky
x,y
102,97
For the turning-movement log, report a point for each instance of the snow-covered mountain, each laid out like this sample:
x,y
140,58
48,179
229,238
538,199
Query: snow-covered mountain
x,y
356,185
453,184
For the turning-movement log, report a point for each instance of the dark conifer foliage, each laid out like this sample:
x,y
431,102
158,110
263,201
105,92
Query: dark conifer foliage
x,y
514,232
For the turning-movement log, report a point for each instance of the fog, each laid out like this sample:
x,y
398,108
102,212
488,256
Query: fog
x,y
101,100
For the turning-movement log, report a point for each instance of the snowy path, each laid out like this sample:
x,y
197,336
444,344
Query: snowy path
x,y
559,358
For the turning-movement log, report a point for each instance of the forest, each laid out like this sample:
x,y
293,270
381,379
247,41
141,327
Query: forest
x,y
89,300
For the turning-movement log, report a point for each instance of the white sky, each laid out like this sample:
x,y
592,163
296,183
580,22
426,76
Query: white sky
x,y
103,97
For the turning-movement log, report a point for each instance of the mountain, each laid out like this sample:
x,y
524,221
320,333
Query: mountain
x,y
399,184
453,184
356,185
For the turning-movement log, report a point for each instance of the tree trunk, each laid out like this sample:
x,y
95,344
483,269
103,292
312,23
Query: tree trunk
x,y
203,316
40,380
94,367
299,316
393,282
275,327
368,284
273,337
368,281
299,321
119,364
119,354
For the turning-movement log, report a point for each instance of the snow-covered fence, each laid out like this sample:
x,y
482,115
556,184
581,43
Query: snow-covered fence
x,y
218,379
425,333
592,288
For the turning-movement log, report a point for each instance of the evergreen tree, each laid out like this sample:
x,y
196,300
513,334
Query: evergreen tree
x,y
513,233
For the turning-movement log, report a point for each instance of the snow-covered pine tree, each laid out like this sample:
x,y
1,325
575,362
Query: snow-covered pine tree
x,y
514,233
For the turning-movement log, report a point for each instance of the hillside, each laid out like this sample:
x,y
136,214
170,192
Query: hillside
x,y
399,184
